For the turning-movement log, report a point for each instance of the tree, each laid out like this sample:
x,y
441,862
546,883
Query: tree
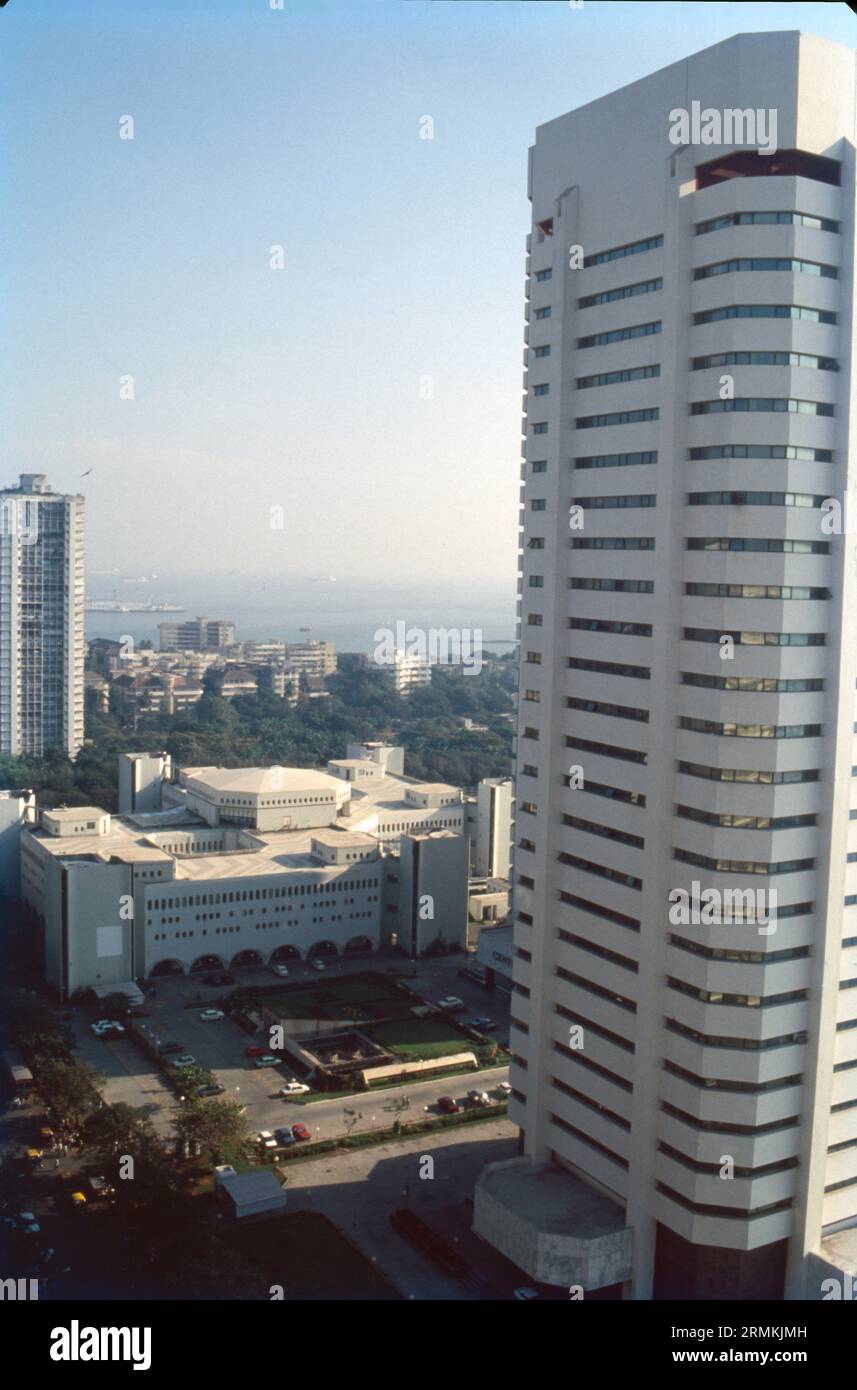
x,y
70,1089
116,1129
216,1128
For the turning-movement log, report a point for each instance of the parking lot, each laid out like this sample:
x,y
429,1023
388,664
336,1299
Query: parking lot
x,y
173,1016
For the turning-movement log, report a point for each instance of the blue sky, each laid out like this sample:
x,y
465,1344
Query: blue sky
x,y
403,259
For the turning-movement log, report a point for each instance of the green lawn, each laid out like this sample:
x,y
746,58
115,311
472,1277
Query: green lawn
x,y
417,1039
308,1256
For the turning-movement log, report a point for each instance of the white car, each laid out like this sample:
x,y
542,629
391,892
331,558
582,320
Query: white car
x,y
451,1003
479,1097
265,1139
504,1088
211,1015
186,1061
105,1028
294,1088
281,970
318,965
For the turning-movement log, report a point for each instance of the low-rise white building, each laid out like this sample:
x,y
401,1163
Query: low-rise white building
x,y
242,866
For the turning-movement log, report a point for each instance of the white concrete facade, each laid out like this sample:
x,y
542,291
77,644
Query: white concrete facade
x,y
651,754
42,640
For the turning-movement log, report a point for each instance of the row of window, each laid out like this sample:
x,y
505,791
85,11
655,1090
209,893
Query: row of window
x,y
776,591
733,820
761,404
743,866
756,219
756,357
251,894
764,311
614,378
788,263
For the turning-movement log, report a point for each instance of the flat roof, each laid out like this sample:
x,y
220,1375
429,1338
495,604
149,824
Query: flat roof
x,y
553,1200
257,780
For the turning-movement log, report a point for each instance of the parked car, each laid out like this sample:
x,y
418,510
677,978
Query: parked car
x,y
300,1132
28,1223
479,1097
486,1025
265,1139
78,1200
214,1088
106,1028
211,1015
318,964
99,1187
267,1060
281,970
168,1047
451,1003
504,1088
448,1104
294,1088
284,1136
254,1050
186,1061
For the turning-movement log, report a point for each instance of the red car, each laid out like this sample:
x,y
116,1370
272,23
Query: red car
x,y
254,1050
300,1131
448,1105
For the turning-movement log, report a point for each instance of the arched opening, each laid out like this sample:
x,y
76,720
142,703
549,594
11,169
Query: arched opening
x,y
247,958
285,953
166,967
206,963
322,948
357,944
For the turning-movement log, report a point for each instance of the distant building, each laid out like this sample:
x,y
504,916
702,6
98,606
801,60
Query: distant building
x,y
42,643
197,635
489,825
141,778
408,672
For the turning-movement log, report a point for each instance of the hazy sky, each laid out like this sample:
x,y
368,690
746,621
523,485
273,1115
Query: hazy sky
x,y
403,260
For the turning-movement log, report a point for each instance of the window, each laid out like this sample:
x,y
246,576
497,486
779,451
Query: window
x,y
777,405
764,311
625,292
613,543
755,639
771,547
620,335
632,460
542,275
536,581
755,499
755,219
634,248
705,272
544,313
617,501
539,466
614,378
540,428
538,504
762,451
617,417
764,358
543,351
542,389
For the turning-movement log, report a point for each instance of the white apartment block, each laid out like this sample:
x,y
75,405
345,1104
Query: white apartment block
x,y
196,635
232,866
409,672
42,643
687,1089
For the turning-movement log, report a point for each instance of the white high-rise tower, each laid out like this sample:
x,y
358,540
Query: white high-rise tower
x,y
686,1080
42,639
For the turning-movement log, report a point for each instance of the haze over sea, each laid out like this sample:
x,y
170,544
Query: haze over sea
x,y
347,614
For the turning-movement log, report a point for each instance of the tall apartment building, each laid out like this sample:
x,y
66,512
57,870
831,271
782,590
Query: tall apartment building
x,y
196,635
687,1085
42,643
409,672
